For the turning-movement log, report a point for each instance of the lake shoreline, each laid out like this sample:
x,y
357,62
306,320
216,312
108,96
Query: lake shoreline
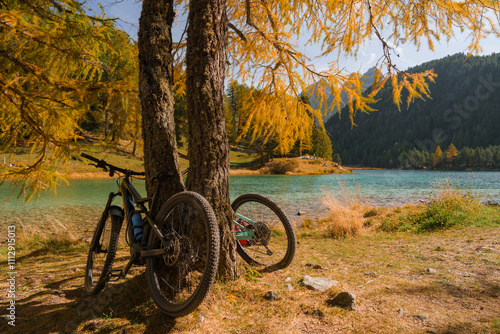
x,y
238,171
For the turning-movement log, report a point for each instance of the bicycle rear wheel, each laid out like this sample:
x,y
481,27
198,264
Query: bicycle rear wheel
x,y
275,243
102,252
180,279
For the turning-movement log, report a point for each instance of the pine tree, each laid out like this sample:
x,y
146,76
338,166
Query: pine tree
x,y
321,143
336,158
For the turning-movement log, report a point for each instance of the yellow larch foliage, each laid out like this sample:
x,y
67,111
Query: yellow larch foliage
x,y
57,62
263,49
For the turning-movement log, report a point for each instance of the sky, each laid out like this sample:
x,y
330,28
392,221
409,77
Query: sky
x,y
128,12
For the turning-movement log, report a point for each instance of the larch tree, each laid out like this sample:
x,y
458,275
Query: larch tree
x,y
55,62
451,153
208,144
437,157
261,46
156,80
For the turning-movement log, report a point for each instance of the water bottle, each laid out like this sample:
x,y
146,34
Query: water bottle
x,y
137,225
136,222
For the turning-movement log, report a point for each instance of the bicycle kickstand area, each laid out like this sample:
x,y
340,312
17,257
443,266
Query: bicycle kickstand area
x,y
117,274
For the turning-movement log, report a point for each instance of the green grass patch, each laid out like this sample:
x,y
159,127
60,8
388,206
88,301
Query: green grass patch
x,y
453,210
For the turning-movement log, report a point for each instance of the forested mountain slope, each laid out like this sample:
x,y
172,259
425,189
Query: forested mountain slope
x,y
464,109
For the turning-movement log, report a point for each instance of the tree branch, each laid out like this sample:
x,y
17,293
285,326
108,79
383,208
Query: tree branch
x,y
238,32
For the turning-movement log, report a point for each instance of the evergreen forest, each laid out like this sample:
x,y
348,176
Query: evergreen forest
x,y
462,113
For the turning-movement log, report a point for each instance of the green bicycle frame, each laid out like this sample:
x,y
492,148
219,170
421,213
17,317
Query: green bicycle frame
x,y
245,233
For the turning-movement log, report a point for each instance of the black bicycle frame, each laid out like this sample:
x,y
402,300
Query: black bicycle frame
x,y
127,190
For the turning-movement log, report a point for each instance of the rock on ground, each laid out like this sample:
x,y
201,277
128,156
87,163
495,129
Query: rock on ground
x,y
345,300
318,283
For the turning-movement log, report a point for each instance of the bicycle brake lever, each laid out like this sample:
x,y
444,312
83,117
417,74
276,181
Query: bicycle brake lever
x,y
100,166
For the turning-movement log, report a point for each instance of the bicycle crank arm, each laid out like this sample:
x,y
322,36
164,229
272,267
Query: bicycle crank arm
x,y
153,252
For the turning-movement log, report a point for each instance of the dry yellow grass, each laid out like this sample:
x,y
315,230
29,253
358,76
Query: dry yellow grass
x,y
387,273
307,166
52,233
346,212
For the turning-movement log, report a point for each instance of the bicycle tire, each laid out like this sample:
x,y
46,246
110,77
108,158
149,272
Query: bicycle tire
x,y
100,259
180,280
274,227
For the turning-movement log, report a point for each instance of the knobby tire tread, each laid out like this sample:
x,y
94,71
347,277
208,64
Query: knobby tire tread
x,y
110,256
212,262
289,229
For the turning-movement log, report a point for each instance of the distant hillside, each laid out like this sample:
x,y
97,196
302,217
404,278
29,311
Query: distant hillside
x,y
464,110
315,103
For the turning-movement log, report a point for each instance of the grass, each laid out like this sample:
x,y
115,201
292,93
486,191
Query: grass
x,y
386,268
451,207
243,160
386,271
345,212
293,166
118,155
280,166
121,155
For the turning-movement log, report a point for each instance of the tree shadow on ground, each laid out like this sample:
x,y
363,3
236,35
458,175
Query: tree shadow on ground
x,y
61,306
479,294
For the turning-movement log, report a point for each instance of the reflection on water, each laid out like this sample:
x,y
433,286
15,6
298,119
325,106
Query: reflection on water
x,y
80,203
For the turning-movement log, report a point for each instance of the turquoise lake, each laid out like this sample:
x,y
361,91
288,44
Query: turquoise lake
x,y
84,199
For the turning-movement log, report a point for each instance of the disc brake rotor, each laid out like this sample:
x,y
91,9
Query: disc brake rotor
x,y
173,251
180,252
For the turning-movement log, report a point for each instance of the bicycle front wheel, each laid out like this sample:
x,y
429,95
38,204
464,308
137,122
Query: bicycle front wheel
x,y
180,279
275,241
102,252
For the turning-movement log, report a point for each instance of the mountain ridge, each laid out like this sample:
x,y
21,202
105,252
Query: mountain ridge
x,y
464,109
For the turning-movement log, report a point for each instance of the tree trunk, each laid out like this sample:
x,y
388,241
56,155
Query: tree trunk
x,y
208,146
156,95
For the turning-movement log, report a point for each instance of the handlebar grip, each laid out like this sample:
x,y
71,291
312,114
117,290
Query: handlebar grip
x,y
86,156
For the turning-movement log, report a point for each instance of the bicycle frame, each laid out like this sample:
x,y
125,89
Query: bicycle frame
x,y
127,190
245,233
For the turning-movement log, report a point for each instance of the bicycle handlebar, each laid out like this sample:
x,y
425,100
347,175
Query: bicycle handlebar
x,y
104,165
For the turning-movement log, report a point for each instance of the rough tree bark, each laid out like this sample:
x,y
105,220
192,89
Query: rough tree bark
x,y
208,146
156,95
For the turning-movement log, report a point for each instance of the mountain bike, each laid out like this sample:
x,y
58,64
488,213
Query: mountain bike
x,y
179,246
264,233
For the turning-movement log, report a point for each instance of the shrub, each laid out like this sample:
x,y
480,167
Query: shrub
x,y
446,212
282,167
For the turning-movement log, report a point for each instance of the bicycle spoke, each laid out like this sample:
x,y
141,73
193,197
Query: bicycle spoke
x,y
274,240
186,271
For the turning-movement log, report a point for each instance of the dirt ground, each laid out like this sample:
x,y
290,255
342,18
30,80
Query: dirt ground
x,y
441,282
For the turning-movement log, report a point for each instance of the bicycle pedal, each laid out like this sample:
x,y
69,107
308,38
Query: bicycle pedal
x,y
115,275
